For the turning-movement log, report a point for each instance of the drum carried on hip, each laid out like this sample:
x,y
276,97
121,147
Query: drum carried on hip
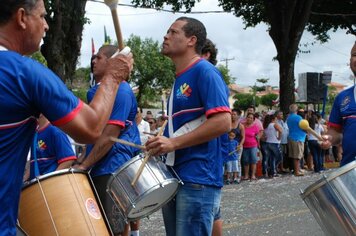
x,y
332,201
61,203
155,187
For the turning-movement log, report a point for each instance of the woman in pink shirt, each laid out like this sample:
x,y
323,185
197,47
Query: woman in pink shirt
x,y
249,153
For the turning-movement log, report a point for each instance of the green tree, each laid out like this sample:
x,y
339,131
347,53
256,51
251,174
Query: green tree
x,y
244,100
226,74
153,73
39,57
267,100
263,81
62,43
287,20
332,92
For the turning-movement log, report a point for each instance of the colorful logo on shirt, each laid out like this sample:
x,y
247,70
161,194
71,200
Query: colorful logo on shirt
x,y
184,91
345,103
42,145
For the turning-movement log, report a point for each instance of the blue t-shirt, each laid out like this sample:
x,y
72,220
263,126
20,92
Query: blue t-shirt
x,y
199,90
27,89
123,115
232,149
343,115
53,148
295,132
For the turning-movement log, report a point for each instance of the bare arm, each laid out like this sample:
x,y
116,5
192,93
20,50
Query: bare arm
x,y
242,132
88,124
279,130
215,126
101,147
65,165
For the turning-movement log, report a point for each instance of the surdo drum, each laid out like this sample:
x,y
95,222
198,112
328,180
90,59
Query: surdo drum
x,y
332,201
61,203
156,185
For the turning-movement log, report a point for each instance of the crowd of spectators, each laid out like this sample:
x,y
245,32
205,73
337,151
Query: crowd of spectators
x,y
262,148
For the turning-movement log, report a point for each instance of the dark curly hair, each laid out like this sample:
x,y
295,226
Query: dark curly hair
x,y
209,47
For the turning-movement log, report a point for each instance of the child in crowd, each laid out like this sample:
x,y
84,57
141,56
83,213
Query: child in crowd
x,y
232,168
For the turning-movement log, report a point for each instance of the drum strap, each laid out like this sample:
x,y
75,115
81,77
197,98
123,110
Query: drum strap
x,y
34,146
171,155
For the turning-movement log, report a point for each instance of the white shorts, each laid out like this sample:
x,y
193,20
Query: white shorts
x,y
232,166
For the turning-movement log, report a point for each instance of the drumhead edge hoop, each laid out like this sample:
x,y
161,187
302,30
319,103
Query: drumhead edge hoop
x,y
328,178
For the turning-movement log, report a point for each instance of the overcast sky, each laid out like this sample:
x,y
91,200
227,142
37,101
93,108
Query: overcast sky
x,y
251,50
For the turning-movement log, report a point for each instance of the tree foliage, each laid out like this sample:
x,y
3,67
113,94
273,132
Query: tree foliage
x,y
226,74
267,100
244,100
263,81
39,57
153,73
62,43
330,15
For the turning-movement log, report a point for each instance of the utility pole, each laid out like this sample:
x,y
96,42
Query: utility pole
x,y
226,60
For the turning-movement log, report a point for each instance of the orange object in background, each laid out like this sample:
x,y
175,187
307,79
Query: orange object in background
x,y
259,169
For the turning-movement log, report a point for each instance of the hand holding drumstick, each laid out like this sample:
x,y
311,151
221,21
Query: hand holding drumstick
x,y
304,125
147,155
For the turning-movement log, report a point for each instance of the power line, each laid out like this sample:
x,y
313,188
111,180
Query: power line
x,y
331,49
329,14
226,60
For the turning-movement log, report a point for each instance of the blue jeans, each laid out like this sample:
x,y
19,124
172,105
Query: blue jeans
x,y
192,211
250,155
273,156
316,152
264,157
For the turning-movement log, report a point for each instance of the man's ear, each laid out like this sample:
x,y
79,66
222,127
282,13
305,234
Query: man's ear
x,y
192,41
21,18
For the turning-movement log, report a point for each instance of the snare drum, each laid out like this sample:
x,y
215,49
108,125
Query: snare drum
x,y
155,187
332,201
61,203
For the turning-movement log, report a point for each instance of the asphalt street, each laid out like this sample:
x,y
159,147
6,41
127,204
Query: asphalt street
x,y
263,207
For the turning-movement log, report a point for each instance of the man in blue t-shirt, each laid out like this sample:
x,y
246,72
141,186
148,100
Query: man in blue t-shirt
x,y
27,89
198,116
53,150
296,138
105,157
342,120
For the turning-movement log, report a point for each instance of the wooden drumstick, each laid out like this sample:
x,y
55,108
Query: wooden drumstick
x,y
127,143
147,155
232,152
112,4
304,125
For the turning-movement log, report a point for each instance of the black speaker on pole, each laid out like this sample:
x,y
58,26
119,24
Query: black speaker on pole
x,y
312,86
